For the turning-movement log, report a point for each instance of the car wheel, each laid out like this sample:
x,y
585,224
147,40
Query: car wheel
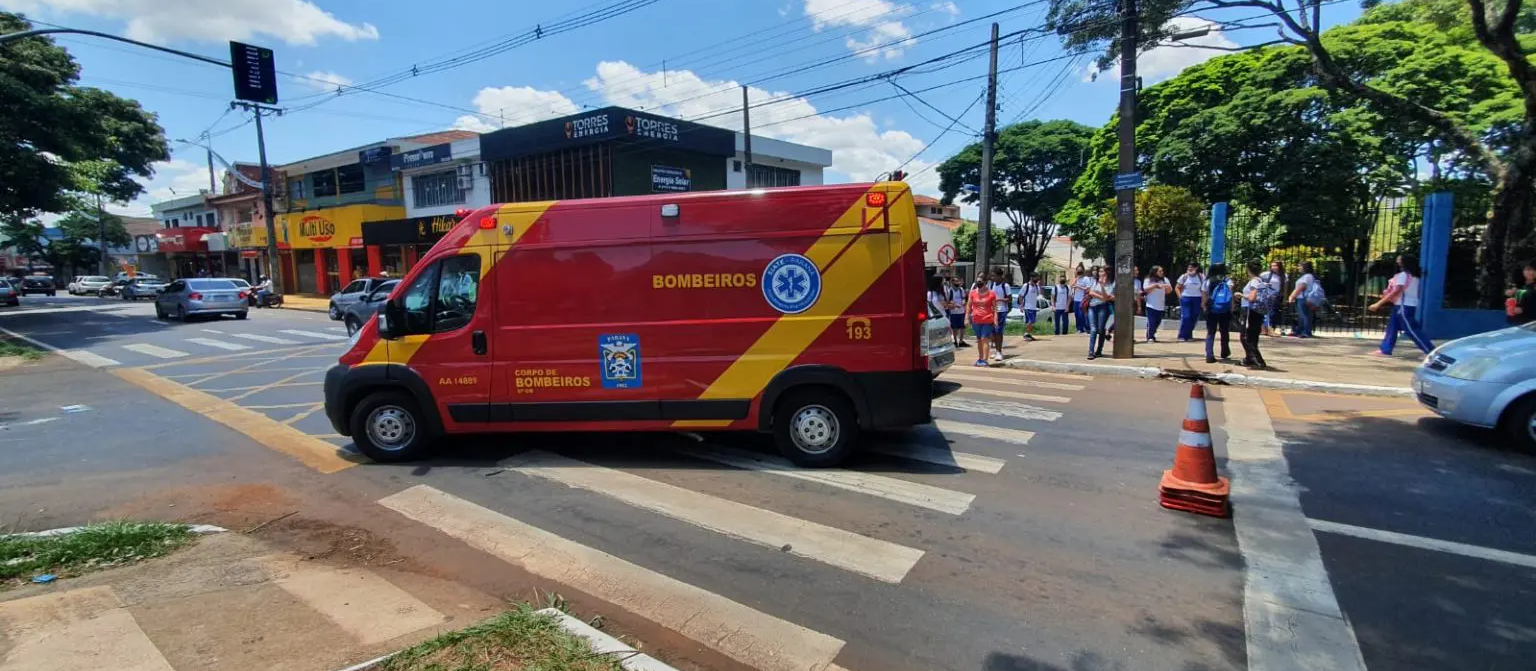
x,y
1520,423
388,426
159,311
335,312
242,314
815,427
181,314
352,326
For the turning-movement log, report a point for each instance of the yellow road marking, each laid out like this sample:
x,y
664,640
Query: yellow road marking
x,y
262,387
313,409
242,369
279,406
241,355
281,382
309,450
1274,402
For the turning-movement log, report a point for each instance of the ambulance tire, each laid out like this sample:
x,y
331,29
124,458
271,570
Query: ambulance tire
x,y
400,433
815,427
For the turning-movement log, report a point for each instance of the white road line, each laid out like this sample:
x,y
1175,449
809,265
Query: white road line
x,y
264,338
999,393
846,550
80,356
154,351
940,455
338,329
1291,617
212,331
358,601
30,422
124,314
992,379
901,491
737,631
998,408
1014,436
1004,373
313,334
1452,547
218,344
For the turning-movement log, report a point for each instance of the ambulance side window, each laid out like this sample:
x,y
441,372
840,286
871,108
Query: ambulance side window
x,y
457,292
417,302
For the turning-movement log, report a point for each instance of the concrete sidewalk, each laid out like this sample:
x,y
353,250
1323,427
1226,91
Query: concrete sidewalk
x,y
1341,364
306,303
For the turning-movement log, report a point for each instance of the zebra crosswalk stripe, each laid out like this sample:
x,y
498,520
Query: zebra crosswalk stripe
x,y
265,338
740,632
313,334
901,491
1013,395
998,408
218,344
939,455
875,558
155,351
1019,382
1015,436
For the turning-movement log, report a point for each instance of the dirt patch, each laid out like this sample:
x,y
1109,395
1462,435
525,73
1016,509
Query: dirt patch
x,y
334,544
236,507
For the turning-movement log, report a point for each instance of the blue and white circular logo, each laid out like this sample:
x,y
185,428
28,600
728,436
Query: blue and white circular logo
x,y
791,283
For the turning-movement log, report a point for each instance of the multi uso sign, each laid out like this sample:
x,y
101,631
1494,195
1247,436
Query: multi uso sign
x,y
608,124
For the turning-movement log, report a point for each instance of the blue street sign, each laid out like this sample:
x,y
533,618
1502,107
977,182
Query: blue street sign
x,y
1130,180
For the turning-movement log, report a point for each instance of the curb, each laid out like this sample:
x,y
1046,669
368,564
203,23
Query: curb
x,y
603,644
1232,379
65,531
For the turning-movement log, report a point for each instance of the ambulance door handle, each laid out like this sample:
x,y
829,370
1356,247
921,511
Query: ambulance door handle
x,y
477,340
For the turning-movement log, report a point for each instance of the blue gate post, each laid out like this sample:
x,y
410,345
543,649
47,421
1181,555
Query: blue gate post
x,y
1218,233
1434,256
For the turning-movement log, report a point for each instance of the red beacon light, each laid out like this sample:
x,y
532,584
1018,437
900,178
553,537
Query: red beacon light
x,y
461,213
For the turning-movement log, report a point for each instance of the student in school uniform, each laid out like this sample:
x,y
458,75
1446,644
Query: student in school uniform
x,y
1305,294
1004,293
1061,302
1403,294
956,309
1101,295
1080,298
1029,302
1255,311
1157,289
1216,303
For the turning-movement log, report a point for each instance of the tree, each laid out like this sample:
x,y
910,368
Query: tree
x,y
63,140
1505,152
964,238
85,225
1170,227
1034,166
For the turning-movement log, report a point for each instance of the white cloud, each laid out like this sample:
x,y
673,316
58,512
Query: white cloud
x,y
321,80
175,178
1166,61
949,8
298,22
517,104
878,20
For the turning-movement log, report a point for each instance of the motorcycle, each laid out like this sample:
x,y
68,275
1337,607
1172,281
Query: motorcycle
x,y
267,299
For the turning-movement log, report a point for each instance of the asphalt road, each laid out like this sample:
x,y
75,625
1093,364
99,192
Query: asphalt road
x,y
1020,532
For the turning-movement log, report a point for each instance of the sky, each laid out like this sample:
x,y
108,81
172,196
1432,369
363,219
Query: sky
x,y
346,71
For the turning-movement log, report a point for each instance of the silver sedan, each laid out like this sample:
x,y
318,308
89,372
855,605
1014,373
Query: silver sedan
x,y
8,294
184,299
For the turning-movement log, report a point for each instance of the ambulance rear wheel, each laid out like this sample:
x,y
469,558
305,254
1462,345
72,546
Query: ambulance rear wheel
x,y
815,428
388,426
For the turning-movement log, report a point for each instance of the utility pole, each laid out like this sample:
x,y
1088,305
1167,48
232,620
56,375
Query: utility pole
x,y
266,194
101,237
213,189
1125,191
988,138
746,135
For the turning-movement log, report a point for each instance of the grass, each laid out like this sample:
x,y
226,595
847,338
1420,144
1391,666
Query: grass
x,y
517,640
96,546
13,348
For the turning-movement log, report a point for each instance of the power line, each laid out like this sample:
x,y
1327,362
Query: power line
x,y
953,120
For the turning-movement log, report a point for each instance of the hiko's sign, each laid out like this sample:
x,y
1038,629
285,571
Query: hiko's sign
x,y
413,231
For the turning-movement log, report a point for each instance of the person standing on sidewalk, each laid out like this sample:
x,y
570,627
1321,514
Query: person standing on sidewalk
x,y
1061,302
1259,299
1004,293
1274,277
1101,295
956,308
1523,308
1217,305
1191,294
1403,294
981,309
1308,290
1080,299
1158,289
1029,302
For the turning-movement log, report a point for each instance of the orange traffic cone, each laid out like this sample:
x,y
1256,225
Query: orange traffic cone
x,y
1192,485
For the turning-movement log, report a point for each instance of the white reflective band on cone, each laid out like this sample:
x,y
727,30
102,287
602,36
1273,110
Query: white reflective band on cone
x,y
1196,409
1198,439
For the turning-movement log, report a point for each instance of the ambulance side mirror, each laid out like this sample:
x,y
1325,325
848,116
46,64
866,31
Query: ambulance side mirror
x,y
390,317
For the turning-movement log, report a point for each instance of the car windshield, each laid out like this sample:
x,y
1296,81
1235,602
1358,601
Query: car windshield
x,y
93,278
383,289
211,285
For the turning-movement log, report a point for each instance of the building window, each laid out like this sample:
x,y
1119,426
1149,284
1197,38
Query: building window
x,y
349,178
769,175
435,189
296,189
325,183
736,165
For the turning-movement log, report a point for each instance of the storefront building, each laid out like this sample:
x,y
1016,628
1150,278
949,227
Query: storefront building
x,y
240,207
326,246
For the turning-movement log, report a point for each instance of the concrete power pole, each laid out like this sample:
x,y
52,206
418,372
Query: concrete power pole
x,y
273,261
988,138
746,137
1125,190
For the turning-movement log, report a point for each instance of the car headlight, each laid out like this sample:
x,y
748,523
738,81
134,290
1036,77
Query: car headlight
x,y
1473,368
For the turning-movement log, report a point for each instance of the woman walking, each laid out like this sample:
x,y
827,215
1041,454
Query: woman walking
x,y
1157,288
1029,302
1217,304
1403,294
1101,295
1275,278
1061,302
1258,299
1191,287
981,308
1307,289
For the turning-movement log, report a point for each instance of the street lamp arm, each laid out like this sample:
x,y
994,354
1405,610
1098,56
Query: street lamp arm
x,y
49,31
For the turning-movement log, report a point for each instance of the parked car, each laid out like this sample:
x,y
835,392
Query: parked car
x,y
1486,380
938,345
87,284
38,284
113,289
354,291
8,294
363,309
200,297
141,287
123,275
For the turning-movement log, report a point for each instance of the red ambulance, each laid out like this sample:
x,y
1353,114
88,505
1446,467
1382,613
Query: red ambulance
x,y
796,311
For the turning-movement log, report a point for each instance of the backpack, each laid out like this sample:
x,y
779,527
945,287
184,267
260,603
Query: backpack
x,y
1221,297
1264,298
1314,295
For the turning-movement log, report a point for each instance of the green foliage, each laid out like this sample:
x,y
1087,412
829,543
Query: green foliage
x,y
1171,226
63,140
964,238
96,546
521,638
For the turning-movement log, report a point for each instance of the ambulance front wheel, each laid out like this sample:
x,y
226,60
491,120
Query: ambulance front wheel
x,y
388,426
815,427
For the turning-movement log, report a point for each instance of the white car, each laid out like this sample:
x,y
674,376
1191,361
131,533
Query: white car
x,y
1486,380
938,344
87,284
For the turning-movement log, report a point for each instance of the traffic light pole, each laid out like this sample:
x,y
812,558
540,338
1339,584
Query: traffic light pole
x,y
988,139
273,262
1125,198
